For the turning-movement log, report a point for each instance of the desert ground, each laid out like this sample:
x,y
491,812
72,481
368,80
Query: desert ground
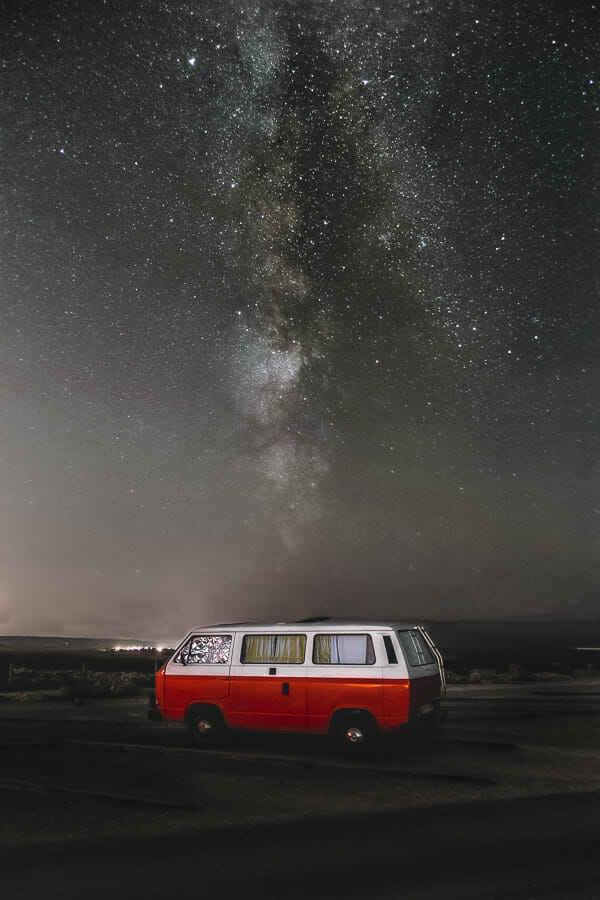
x,y
504,804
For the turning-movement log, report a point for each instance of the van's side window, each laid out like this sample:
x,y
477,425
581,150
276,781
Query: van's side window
x,y
274,648
390,650
416,650
204,649
343,649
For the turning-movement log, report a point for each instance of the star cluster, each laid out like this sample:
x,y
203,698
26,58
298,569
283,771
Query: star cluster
x,y
299,311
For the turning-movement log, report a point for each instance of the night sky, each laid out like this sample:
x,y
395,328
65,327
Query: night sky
x,y
299,312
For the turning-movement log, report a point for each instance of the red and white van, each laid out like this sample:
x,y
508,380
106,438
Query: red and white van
x,y
351,680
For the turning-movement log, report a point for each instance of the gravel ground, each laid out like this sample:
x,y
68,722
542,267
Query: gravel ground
x,y
101,770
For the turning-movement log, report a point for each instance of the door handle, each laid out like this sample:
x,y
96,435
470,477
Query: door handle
x,y
285,688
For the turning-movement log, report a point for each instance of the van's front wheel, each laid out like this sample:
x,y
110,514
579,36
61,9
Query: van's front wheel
x,y
206,727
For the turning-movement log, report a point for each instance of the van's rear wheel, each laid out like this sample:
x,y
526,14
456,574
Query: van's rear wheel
x,y
354,735
206,727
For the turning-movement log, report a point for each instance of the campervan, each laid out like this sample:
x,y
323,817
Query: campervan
x,y
351,680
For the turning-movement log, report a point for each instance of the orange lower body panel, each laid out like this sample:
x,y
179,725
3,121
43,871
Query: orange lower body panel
x,y
296,704
178,692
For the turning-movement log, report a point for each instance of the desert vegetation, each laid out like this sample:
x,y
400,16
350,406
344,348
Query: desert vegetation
x,y
76,675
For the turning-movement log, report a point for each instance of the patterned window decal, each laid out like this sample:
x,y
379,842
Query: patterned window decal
x,y
203,649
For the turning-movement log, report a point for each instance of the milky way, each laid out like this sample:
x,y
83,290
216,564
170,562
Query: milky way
x,y
299,312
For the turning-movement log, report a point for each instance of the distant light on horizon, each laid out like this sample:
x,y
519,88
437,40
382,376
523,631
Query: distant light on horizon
x,y
137,647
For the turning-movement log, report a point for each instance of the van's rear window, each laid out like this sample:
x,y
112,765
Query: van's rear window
x,y
416,650
274,648
343,650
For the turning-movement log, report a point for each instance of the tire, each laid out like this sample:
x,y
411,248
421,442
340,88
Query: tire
x,y
206,727
354,735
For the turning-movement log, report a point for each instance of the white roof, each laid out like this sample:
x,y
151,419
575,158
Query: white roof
x,y
320,624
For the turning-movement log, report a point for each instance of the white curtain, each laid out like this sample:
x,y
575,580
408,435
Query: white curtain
x,y
343,649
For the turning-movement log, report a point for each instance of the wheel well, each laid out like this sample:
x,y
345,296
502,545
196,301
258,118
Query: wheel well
x,y
360,715
207,709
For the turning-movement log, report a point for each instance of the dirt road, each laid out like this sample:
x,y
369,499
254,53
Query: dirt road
x,y
96,796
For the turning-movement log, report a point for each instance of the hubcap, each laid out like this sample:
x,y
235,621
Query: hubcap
x,y
203,726
354,735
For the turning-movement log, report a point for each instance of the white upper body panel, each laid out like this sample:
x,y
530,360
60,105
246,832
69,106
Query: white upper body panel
x,y
383,639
